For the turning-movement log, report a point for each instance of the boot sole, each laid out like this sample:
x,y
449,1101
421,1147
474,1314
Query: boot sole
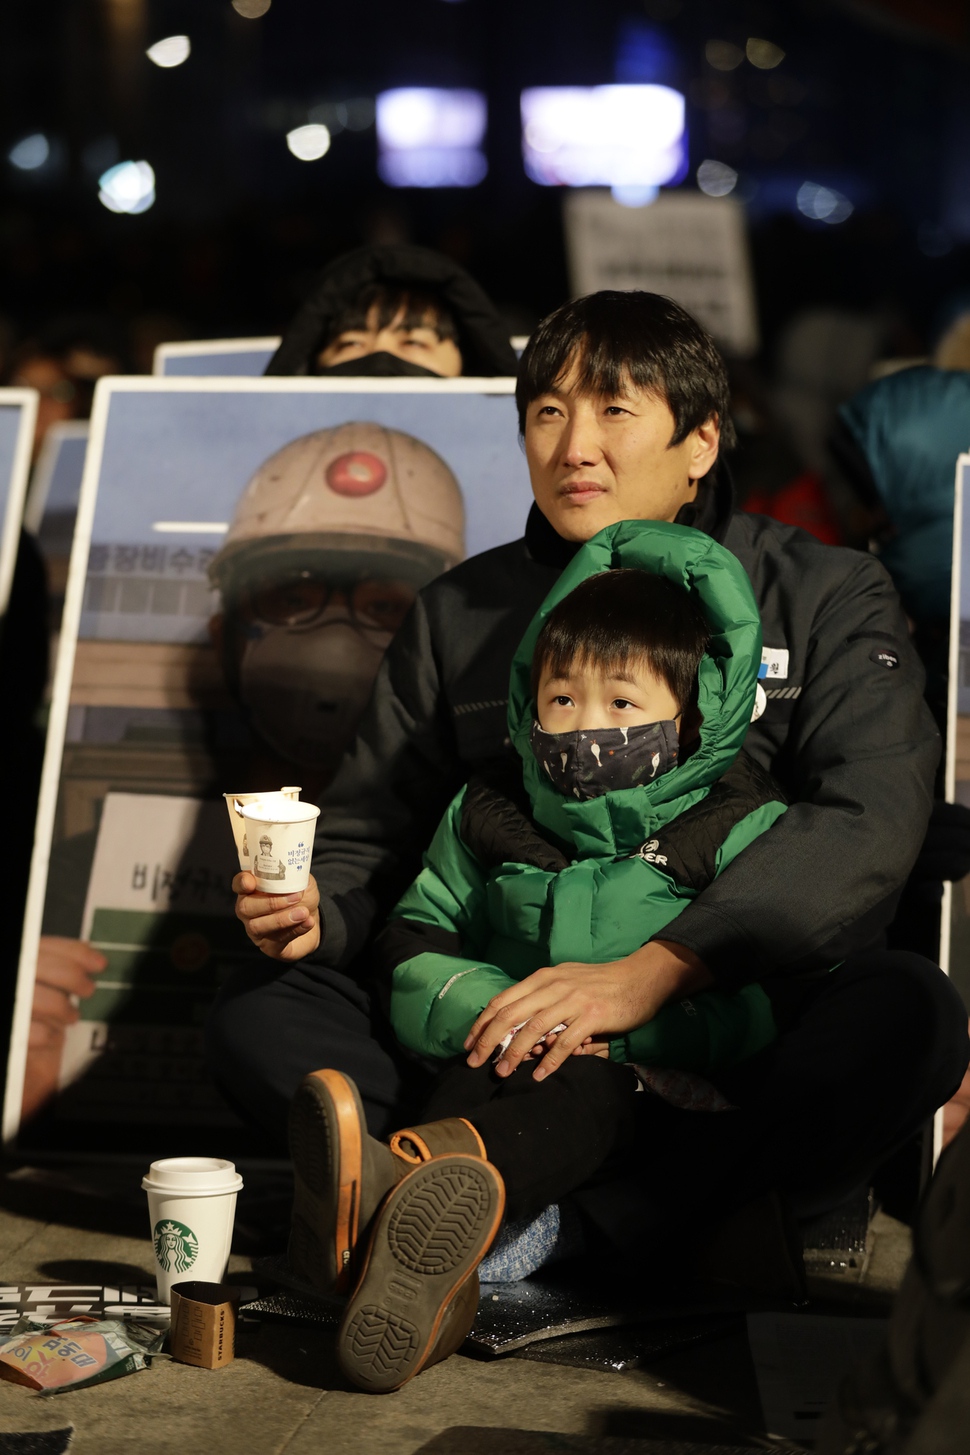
x,y
429,1237
326,1132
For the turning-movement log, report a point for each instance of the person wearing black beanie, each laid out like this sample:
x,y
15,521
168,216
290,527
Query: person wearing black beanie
x,y
392,311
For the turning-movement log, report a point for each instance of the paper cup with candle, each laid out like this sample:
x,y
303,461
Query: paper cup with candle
x,y
236,802
280,841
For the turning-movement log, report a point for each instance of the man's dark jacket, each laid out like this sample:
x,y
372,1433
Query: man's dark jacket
x,y
845,731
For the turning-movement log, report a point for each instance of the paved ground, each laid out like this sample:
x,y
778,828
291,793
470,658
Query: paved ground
x,y
283,1393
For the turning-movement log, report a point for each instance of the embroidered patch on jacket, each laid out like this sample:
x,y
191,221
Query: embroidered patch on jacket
x,y
883,657
648,853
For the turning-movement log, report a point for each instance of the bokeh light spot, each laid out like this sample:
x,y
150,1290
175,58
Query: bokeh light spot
x,y
309,143
717,179
763,53
128,187
171,51
822,204
723,55
30,153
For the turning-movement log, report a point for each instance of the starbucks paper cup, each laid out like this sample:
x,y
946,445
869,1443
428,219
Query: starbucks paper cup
x,y
235,802
191,1206
280,841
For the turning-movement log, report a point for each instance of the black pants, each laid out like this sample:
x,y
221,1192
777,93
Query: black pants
x,y
864,1056
547,1138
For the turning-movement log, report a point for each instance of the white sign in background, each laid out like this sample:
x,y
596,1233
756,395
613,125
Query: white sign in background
x,y
684,245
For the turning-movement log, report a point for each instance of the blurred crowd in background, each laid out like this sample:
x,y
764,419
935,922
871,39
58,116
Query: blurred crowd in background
x,y
263,155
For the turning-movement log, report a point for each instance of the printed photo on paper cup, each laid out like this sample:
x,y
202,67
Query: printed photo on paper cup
x,y
280,842
236,802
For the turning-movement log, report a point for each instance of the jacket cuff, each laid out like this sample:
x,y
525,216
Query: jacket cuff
x,y
730,955
333,937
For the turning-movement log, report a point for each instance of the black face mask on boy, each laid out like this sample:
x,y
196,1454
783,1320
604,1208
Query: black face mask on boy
x,y
587,763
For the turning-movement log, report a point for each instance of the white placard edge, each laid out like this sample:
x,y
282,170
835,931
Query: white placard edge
x,y
315,384
950,772
28,400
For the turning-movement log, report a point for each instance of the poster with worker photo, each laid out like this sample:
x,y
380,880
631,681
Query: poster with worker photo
x,y
244,552
955,949
18,419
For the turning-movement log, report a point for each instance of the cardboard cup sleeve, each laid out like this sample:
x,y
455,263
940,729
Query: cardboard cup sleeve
x,y
204,1324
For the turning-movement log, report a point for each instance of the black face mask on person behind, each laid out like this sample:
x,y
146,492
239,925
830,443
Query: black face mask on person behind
x,y
587,763
381,365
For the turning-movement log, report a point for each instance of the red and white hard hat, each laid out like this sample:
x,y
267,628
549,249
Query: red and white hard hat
x,y
358,479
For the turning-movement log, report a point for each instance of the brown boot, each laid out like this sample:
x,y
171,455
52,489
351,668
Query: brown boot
x,y
342,1174
418,1291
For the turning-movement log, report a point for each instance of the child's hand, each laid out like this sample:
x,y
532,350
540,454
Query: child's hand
x,y
593,1048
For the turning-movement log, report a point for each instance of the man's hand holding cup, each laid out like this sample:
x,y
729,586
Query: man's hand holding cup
x,y
273,833
283,926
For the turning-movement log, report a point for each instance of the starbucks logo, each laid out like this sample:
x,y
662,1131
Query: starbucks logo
x,y
176,1247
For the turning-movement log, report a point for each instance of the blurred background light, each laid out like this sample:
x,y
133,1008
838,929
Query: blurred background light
x,y
604,136
431,137
251,9
763,53
822,204
717,179
309,143
30,153
171,51
723,55
127,187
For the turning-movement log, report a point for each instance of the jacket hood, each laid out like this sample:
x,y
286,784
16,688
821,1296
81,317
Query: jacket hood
x,y
909,429
727,683
482,338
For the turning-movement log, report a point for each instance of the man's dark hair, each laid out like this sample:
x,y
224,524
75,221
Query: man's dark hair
x,y
643,335
621,617
422,309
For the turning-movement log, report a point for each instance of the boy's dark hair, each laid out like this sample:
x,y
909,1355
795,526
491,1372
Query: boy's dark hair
x,y
649,337
619,617
422,309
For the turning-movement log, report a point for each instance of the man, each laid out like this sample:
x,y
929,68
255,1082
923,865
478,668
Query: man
x,y
623,403
402,310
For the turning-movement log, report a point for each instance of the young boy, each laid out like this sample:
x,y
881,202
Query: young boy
x,y
629,700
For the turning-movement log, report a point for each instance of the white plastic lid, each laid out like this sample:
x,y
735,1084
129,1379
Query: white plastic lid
x,y
192,1177
286,811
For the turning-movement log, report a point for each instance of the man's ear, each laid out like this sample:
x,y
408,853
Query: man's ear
x,y
705,442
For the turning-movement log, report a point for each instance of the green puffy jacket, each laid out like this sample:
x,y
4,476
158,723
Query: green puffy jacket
x,y
519,876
